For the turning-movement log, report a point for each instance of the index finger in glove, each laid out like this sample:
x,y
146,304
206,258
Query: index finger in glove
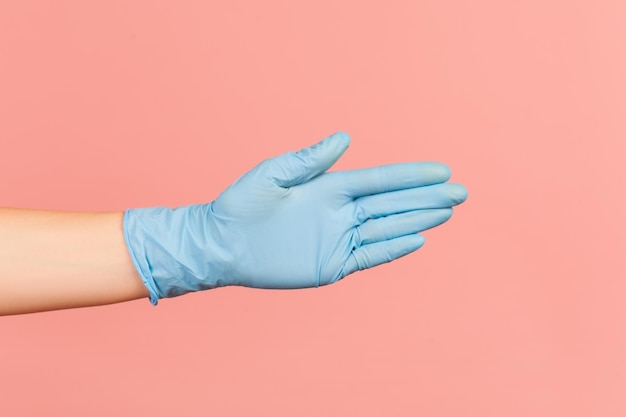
x,y
368,181
436,196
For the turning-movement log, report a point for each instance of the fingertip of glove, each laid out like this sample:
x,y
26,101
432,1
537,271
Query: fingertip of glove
x,y
457,192
438,171
419,241
342,139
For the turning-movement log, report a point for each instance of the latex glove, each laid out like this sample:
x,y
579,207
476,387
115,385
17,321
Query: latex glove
x,y
289,224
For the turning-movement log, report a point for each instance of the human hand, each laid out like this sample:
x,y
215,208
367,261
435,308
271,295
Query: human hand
x,y
288,223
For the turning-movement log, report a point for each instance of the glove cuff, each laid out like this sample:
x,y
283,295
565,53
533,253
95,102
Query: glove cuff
x,y
137,254
174,249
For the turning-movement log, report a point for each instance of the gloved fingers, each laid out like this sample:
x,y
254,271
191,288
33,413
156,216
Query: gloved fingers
x,y
368,181
429,197
295,168
390,227
374,254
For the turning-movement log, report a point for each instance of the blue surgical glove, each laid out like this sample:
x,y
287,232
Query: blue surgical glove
x,y
289,224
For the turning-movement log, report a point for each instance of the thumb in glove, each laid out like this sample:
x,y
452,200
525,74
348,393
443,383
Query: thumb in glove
x,y
294,168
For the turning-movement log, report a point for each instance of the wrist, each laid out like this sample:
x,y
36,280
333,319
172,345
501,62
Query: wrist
x,y
173,251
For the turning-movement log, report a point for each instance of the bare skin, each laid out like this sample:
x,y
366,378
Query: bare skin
x,y
52,260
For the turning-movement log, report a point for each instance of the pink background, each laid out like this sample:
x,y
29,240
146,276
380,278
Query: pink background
x,y
516,307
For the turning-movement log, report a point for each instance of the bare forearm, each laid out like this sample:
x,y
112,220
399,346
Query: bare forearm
x,y
52,260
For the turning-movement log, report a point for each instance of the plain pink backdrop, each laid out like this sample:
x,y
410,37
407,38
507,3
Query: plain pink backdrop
x,y
515,307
